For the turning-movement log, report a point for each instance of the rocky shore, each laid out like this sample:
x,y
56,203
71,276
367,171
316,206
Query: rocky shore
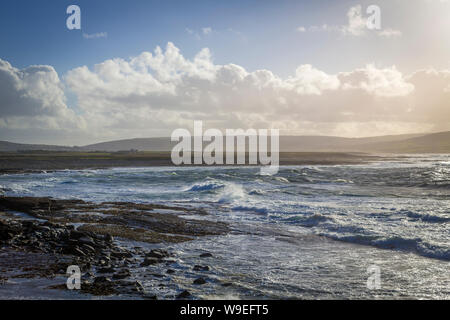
x,y
41,237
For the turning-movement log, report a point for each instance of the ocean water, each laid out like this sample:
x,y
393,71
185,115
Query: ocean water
x,y
306,232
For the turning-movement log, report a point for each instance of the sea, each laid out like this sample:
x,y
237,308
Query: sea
x,y
307,232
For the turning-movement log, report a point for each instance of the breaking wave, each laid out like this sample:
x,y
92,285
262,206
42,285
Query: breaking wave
x,y
413,245
206,186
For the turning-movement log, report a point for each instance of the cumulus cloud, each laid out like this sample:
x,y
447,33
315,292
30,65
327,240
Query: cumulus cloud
x,y
387,82
33,99
35,90
167,86
155,92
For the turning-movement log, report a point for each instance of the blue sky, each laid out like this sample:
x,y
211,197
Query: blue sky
x,y
305,67
254,33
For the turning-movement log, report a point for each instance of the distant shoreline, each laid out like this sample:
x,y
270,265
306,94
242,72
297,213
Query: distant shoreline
x,y
32,162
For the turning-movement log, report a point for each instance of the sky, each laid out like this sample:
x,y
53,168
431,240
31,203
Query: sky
x,y
143,68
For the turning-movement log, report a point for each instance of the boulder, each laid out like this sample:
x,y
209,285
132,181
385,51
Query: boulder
x,y
199,281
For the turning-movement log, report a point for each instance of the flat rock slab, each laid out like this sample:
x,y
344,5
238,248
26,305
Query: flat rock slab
x,y
140,222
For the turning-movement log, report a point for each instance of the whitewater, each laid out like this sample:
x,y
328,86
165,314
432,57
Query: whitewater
x,y
306,232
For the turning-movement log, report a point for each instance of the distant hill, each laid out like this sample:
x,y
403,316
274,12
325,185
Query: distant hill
x,y
430,143
330,143
141,144
6,146
408,143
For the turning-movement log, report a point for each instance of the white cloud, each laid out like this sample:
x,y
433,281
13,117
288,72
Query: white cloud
x,y
178,90
33,99
356,22
387,82
207,30
309,80
30,91
154,93
201,34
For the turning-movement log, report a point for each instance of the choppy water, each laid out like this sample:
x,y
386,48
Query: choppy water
x,y
395,215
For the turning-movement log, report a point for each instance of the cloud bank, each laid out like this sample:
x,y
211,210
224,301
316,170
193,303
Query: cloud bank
x,y
154,93
32,100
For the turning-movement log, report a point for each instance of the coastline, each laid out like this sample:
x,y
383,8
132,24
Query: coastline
x,y
181,233
34,162
41,237
152,251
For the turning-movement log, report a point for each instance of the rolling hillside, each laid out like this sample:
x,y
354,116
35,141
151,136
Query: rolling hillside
x,y
412,143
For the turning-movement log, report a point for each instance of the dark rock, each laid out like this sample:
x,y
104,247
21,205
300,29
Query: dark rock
x,y
28,224
99,288
51,224
206,255
102,279
157,275
199,281
75,234
121,254
44,228
137,286
122,274
150,261
8,231
106,270
74,251
24,204
87,275
109,238
170,271
5,234
88,248
158,253
87,240
183,295
226,284
201,268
